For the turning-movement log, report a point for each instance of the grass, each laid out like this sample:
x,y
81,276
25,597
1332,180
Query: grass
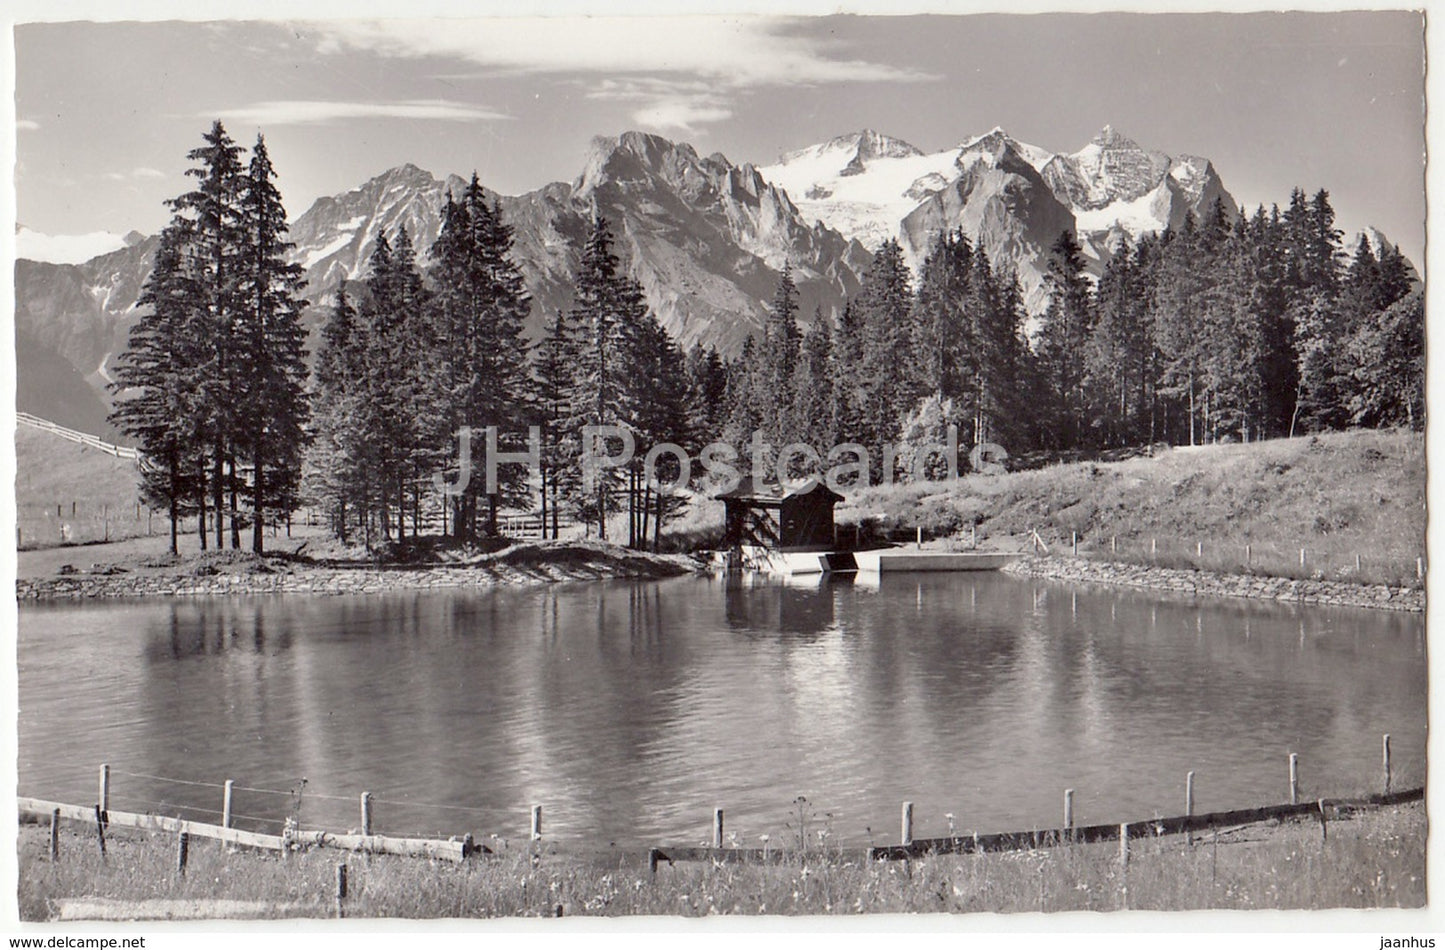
x,y
1336,495
1373,859
100,489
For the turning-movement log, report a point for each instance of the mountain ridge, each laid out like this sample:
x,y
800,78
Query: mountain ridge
x,y
706,237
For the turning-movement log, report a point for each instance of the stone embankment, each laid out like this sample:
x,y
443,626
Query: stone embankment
x,y
1332,593
302,578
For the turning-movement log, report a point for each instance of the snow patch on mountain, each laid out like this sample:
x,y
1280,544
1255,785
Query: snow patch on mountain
x,y
861,185
319,254
1138,216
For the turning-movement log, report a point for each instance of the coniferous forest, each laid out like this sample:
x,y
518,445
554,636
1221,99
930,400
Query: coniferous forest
x,y
1241,326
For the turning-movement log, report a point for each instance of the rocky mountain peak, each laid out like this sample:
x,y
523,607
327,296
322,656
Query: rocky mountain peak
x,y
1109,137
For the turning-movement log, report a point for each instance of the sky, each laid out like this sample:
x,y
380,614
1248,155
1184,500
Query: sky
x,y
106,111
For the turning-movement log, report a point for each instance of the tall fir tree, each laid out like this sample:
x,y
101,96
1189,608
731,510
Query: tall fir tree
x,y
269,352
156,381
481,305
609,307
216,237
1063,332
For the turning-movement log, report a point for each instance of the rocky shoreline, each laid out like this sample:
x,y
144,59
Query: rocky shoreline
x,y
303,578
596,563
1331,593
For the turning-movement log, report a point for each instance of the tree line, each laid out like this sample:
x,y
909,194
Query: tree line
x,y
1234,327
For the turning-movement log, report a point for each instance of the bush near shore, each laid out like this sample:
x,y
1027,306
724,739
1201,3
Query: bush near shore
x,y
1373,859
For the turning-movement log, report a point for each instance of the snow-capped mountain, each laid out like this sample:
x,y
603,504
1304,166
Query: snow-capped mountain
x,y
706,238
1000,200
867,186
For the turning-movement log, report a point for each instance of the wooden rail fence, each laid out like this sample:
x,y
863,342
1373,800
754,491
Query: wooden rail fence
x,y
83,438
455,850
458,849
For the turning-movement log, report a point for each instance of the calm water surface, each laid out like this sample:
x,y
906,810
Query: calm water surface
x,y
630,710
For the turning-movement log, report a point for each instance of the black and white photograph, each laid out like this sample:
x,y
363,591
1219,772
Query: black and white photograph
x,y
486,466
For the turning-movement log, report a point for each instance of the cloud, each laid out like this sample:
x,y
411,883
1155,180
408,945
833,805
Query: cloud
x,y
682,71
142,172
26,125
667,104
735,52
64,248
682,115
318,111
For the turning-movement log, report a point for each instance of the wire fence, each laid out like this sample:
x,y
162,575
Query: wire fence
x,y
1333,561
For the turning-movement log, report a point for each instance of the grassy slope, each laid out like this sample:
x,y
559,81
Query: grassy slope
x,y
53,471
1335,495
1372,860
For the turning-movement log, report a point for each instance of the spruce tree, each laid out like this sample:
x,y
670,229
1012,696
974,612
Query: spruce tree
x,y
157,379
888,364
216,238
480,306
1063,333
608,306
554,363
269,349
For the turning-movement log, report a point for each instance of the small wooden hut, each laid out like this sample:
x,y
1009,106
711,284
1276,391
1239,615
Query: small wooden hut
x,y
757,516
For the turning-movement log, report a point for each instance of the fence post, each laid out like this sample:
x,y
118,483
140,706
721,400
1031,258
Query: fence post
x,y
1386,755
536,822
55,834
1124,845
1069,812
1189,803
104,795
183,851
1248,553
1419,568
1358,565
366,813
340,890
1199,549
226,803
1114,544
1153,547
907,832
1074,542
1302,558
1294,778
100,831
717,828
919,541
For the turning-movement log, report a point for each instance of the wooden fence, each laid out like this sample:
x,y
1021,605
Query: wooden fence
x,y
83,438
459,848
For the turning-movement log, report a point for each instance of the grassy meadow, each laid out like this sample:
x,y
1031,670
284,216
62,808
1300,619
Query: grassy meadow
x,y
1336,495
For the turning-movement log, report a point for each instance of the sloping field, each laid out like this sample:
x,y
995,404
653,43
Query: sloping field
x,y
63,488
1337,496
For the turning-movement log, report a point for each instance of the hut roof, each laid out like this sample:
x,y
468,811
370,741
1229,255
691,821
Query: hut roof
x,y
749,491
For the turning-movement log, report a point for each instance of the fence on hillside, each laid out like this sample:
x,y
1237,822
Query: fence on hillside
x,y
1327,560
83,438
